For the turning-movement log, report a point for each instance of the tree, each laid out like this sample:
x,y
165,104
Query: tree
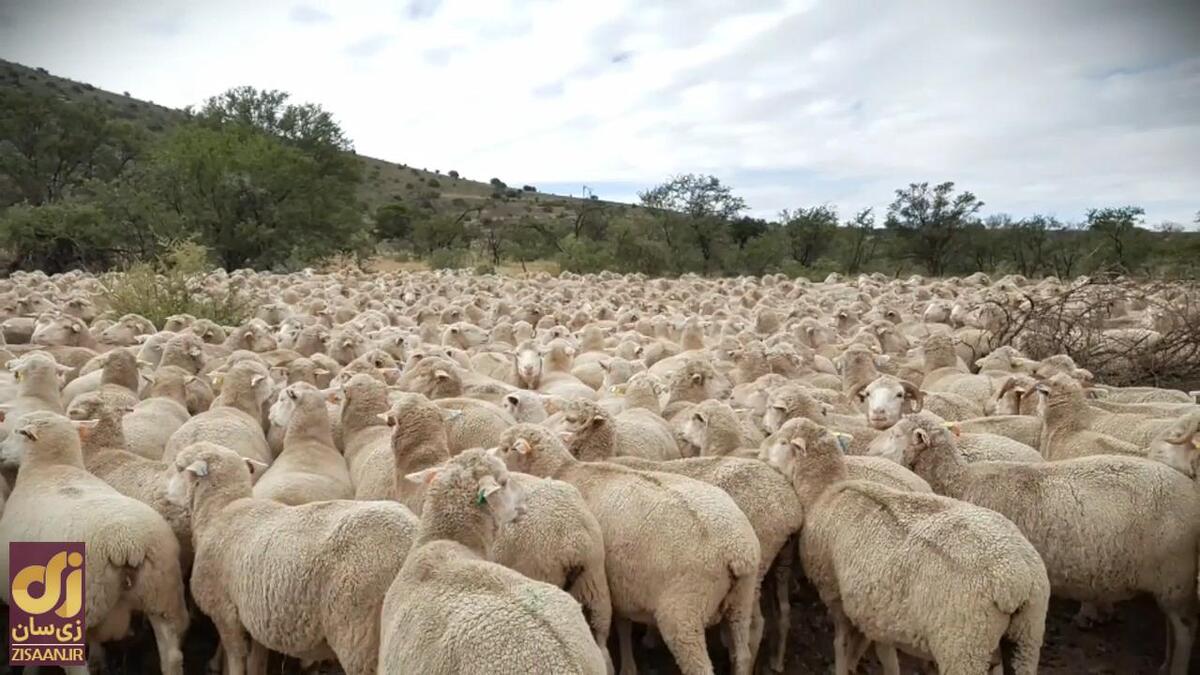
x,y
1120,229
931,221
863,240
694,209
393,221
254,199
49,148
745,228
810,231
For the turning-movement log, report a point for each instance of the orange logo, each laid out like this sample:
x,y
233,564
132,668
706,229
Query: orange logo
x,y
46,617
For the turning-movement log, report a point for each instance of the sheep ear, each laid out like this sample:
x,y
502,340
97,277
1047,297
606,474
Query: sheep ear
x,y
522,446
487,486
388,418
62,370
254,380
513,399
28,432
596,421
921,438
441,375
697,378
423,477
256,468
198,468
953,428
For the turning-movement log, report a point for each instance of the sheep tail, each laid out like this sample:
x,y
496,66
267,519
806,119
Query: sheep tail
x,y
1021,644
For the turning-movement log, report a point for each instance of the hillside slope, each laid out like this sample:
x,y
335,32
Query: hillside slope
x,y
384,182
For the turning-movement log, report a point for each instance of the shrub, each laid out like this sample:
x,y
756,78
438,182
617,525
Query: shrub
x,y
453,174
485,268
447,259
171,285
528,188
433,183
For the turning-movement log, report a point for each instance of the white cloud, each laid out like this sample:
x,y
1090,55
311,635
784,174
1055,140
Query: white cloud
x,y
1034,106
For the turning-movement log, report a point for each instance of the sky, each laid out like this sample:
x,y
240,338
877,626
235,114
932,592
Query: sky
x,y
1046,106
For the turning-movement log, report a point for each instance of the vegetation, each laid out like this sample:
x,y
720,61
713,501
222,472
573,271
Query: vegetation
x,y
96,180
169,285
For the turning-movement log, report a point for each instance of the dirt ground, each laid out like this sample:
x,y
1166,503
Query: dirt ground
x,y
1132,643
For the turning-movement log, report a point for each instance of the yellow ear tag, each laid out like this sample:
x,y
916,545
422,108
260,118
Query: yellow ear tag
x,y
17,375
1196,442
953,428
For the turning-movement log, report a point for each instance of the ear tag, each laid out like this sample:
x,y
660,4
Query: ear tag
x,y
481,497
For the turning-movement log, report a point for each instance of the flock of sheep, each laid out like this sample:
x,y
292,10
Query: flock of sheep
x,y
443,473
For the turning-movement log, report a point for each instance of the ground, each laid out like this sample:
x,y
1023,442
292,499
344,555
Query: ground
x,y
1131,644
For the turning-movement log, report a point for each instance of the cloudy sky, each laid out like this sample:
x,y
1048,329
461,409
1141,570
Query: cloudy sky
x,y
1045,106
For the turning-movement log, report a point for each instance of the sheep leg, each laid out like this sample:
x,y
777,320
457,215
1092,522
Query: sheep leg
x,y
680,622
740,604
1091,614
783,575
841,637
887,657
256,663
216,663
625,642
1182,630
233,641
167,639
756,630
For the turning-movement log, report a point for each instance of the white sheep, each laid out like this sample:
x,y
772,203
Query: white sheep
x,y
656,572
307,581
132,557
450,610
935,577
235,419
1107,527
310,468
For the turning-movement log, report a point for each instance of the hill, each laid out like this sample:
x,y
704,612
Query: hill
x,y
384,182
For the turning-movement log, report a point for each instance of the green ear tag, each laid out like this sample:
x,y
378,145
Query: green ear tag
x,y
481,498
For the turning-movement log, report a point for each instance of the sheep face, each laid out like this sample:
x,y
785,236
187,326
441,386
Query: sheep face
x,y
887,399
59,330
775,416
695,430
528,362
479,476
45,435
209,332
209,464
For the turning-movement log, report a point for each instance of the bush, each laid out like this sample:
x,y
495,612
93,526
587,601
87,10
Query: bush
x,y
453,174
433,183
485,268
170,285
447,259
528,188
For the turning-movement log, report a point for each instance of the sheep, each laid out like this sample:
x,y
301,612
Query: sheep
x,y
133,562
1071,429
944,580
307,581
974,447
773,510
794,401
656,572
1108,527
366,438
418,441
310,469
943,373
528,626
1176,447
106,457
150,424
558,541
235,419
859,467
1024,429
887,398
36,374
596,435
477,424
713,429
120,380
525,406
